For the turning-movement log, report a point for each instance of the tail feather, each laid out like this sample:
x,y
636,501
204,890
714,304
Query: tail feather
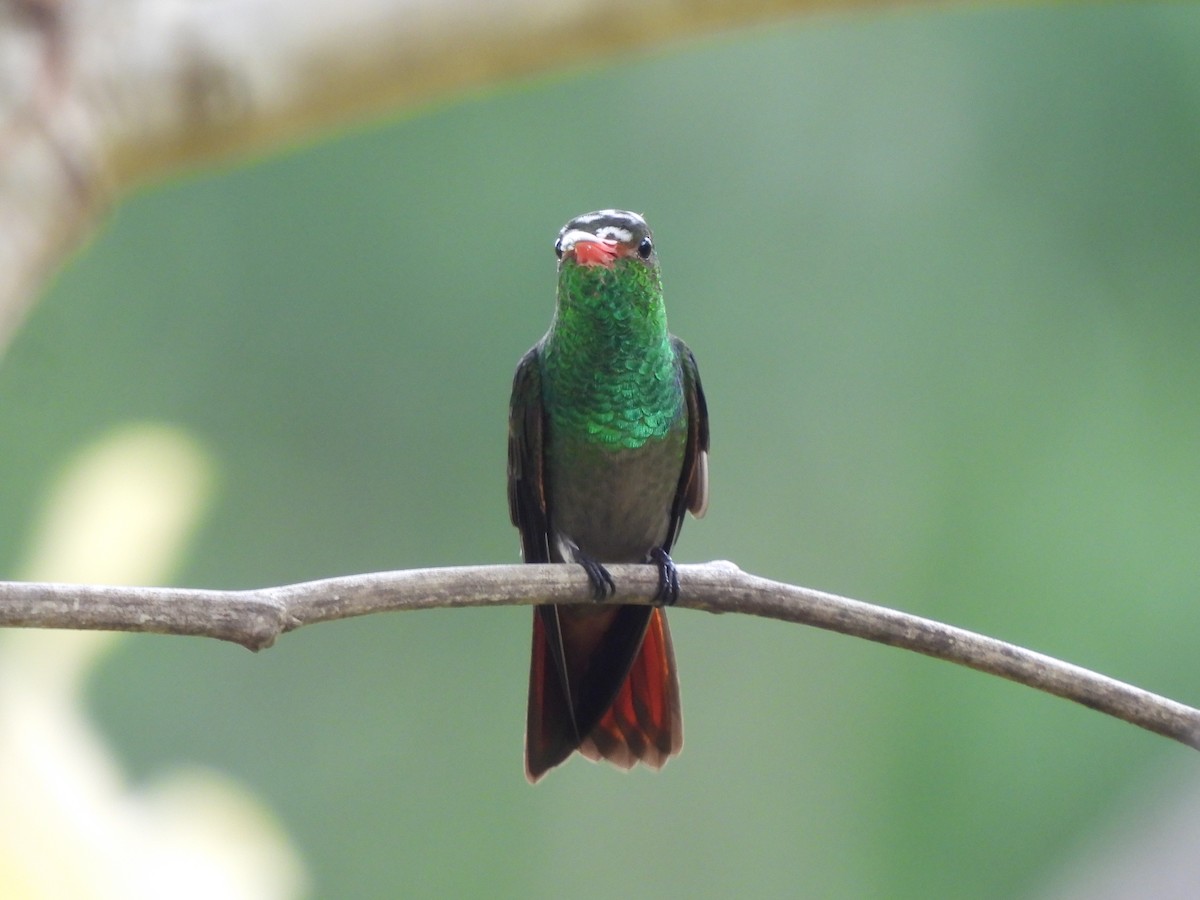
x,y
550,732
642,722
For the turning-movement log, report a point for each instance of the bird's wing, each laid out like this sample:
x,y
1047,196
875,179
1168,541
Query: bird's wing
x,y
526,463
692,492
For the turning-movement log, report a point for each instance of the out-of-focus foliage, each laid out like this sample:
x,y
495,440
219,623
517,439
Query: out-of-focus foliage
x,y
941,275
121,511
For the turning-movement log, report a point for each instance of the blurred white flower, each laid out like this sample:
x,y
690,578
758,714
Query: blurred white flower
x,y
71,824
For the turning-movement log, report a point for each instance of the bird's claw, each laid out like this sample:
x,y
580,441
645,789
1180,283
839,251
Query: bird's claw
x,y
668,578
603,586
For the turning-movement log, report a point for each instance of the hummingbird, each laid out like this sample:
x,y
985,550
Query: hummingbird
x,y
607,449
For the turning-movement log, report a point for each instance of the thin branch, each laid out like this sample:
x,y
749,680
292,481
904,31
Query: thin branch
x,y
255,618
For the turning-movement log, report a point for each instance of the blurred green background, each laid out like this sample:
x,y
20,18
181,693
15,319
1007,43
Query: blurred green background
x,y
941,272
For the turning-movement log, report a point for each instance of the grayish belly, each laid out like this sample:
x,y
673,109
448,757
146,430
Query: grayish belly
x,y
614,505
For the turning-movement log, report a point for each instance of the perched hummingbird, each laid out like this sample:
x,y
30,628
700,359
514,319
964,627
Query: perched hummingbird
x,y
607,448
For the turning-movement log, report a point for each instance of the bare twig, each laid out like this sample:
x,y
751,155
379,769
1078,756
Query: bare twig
x,y
255,618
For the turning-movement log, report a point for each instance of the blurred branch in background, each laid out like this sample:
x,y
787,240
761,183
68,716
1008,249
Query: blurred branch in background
x,y
255,618
100,96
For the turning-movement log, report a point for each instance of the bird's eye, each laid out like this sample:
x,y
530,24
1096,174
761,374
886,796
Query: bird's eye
x,y
558,248
645,248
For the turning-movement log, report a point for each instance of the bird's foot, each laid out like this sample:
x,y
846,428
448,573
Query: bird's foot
x,y
603,586
668,578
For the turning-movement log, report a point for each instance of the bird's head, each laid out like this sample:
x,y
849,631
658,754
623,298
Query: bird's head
x,y
603,238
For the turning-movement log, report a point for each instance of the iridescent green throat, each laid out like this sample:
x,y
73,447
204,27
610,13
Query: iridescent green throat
x,y
609,372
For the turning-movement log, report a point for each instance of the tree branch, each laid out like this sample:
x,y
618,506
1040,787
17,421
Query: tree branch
x,y
102,95
255,618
